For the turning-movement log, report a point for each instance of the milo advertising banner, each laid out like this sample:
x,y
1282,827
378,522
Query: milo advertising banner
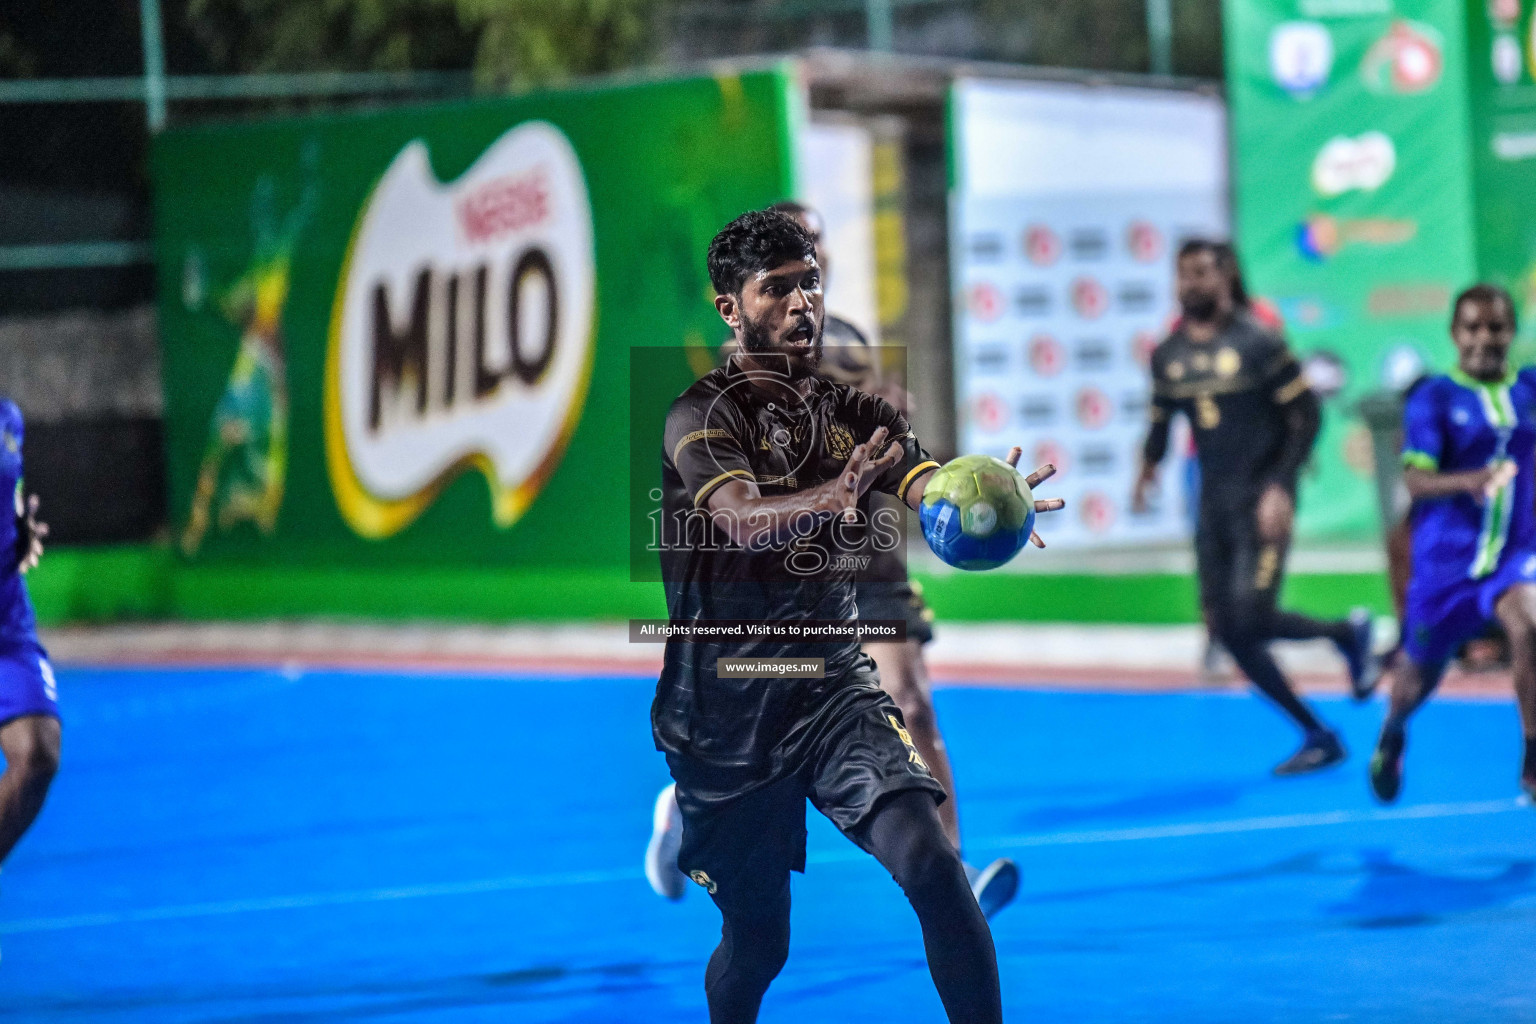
x,y
1354,204
1501,40
402,337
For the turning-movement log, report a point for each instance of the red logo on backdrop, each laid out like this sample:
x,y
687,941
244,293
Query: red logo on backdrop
x,y
1098,511
985,302
1048,452
1142,346
503,205
1089,298
1042,246
1046,356
1144,241
1093,408
991,412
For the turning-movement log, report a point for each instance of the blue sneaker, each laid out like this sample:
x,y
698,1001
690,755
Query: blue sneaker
x,y
1364,667
995,885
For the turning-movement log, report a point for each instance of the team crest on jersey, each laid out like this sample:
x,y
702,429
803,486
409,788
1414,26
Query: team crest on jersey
x,y
1228,362
11,444
839,441
461,333
703,879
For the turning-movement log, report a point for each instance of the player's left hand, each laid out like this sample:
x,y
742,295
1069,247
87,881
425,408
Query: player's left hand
x,y
1034,480
29,533
1276,513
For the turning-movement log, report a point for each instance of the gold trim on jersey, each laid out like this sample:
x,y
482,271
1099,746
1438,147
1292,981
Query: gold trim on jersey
x,y
906,481
1292,391
697,435
1207,388
717,481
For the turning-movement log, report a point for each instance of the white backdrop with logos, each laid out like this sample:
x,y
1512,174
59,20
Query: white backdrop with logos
x,y
1067,205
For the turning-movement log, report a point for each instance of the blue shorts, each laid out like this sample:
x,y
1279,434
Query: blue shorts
x,y
1444,611
26,681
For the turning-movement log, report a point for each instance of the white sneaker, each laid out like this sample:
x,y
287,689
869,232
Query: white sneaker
x,y
661,853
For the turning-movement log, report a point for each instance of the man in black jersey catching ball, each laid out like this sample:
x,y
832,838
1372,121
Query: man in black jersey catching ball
x,y
766,473
1254,418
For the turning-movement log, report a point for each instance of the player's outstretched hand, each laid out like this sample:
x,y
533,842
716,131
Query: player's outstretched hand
x,y
1499,476
29,533
1034,480
864,467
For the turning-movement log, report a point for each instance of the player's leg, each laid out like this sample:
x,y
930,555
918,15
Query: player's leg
x,y
1516,612
1245,622
1414,678
904,833
31,748
904,676
742,837
754,945
1352,637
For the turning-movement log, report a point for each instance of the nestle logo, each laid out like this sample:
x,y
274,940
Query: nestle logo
x,y
987,247
1090,244
1136,296
1097,459
991,359
1037,410
1095,354
1033,300
503,205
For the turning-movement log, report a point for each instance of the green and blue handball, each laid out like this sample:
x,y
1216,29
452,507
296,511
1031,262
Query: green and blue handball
x,y
979,511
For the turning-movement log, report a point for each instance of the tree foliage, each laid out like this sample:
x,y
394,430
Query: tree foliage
x,y
506,42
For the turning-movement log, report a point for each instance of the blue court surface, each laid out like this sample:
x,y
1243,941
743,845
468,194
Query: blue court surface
x,y
249,845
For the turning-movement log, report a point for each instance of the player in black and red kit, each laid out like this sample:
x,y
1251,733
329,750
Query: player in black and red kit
x,y
1254,419
766,474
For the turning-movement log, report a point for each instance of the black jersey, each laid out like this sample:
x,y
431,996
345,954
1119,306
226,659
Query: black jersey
x,y
1253,414
722,428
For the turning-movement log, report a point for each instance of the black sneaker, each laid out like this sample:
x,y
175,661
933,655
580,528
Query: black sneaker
x,y
1387,765
1321,749
1364,668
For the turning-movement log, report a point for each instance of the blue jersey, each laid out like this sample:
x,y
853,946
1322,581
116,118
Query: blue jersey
x,y
16,620
1456,423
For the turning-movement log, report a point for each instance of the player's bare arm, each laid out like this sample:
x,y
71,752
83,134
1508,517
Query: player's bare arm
x,y
1482,483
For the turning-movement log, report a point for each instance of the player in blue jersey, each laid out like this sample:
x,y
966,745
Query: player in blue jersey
x,y
1469,452
29,712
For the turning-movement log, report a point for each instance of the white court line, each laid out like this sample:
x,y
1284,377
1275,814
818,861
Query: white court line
x,y
514,882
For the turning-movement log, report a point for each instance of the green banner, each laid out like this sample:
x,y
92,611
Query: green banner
x,y
1354,204
1501,41
401,338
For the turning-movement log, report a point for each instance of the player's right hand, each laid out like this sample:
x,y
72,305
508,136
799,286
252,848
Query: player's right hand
x,y
29,533
1498,476
864,467
1034,480
1146,484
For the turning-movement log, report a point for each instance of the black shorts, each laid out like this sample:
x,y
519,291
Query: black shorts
x,y
895,601
744,828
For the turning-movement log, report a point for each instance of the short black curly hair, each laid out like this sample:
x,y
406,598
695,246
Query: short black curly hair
x,y
756,241
1484,292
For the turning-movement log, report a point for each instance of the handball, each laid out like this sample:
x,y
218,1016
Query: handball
x,y
977,512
